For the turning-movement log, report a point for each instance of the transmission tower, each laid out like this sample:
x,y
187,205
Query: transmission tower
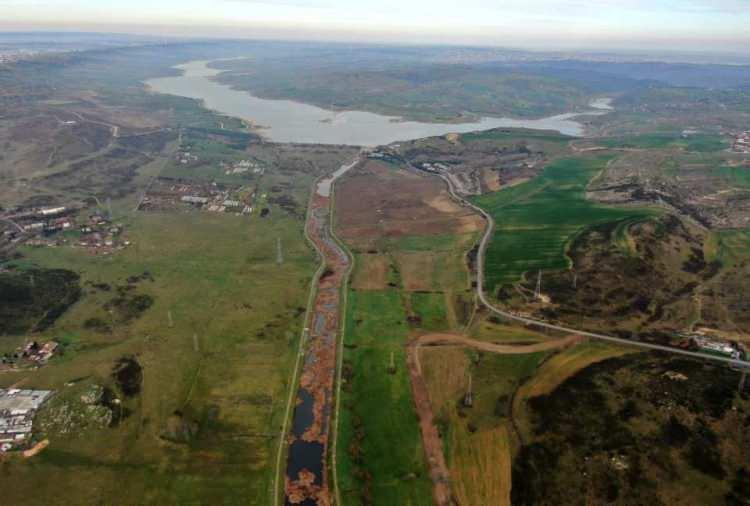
x,y
469,397
538,291
392,365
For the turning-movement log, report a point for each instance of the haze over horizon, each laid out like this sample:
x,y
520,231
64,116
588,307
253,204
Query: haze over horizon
x,y
688,25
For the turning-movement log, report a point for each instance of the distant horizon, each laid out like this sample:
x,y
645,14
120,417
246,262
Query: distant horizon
x,y
718,26
641,49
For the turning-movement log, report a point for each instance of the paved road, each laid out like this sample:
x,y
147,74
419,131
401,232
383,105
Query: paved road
x,y
538,323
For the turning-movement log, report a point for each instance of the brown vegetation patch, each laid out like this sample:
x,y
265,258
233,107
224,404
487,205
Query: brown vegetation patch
x,y
371,272
417,269
492,180
445,372
481,466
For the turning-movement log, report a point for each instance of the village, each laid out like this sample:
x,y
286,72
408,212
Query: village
x,y
166,194
63,225
741,143
242,167
189,158
32,355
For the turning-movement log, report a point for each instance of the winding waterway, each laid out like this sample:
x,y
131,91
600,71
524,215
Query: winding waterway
x,y
289,121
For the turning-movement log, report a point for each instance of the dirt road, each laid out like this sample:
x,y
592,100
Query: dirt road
x,y
433,446
506,349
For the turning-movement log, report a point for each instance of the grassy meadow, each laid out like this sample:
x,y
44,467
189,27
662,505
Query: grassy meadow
x,y
381,460
536,220
216,346
701,143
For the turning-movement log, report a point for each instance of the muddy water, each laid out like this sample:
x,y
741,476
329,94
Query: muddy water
x,y
289,121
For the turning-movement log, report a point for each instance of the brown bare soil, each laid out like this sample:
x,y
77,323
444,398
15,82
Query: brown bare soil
x,y
491,180
381,201
34,450
442,203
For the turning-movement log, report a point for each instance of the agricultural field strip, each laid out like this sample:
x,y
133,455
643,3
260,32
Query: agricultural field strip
x,y
340,349
430,438
531,321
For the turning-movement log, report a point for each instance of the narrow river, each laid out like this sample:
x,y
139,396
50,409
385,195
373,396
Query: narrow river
x,y
307,478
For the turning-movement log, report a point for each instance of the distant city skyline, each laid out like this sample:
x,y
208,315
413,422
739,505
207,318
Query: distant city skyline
x,y
718,25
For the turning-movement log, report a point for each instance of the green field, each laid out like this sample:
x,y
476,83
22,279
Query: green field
x,y
381,460
431,309
702,143
728,246
217,275
734,176
535,220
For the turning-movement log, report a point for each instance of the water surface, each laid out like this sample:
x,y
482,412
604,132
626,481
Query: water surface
x,y
289,121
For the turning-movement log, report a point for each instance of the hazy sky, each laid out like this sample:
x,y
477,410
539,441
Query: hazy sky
x,y
688,24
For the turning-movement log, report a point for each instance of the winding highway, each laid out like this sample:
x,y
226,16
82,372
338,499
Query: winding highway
x,y
542,324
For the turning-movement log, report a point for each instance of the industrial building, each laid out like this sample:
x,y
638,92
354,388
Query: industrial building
x,y
17,410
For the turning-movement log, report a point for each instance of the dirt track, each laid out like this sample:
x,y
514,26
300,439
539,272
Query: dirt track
x,y
506,349
431,442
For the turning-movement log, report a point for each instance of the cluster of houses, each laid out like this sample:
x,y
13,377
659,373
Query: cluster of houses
x,y
186,157
17,410
40,353
433,167
45,220
713,346
742,143
167,194
8,57
220,204
32,353
243,167
21,225
42,227
385,155
100,236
